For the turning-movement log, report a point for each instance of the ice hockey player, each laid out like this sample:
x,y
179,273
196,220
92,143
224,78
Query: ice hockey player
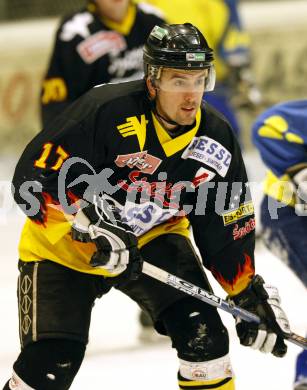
x,y
98,44
280,134
143,160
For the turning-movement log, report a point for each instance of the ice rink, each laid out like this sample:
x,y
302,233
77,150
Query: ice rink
x,y
116,360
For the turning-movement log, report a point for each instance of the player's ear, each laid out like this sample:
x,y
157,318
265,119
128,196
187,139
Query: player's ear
x,y
151,87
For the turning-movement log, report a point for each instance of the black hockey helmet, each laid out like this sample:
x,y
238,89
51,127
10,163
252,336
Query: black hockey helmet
x,y
179,46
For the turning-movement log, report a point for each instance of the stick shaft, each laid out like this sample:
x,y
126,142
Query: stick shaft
x,y
211,299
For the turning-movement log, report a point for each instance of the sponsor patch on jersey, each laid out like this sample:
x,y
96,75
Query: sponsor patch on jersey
x,y
202,175
143,161
210,152
240,232
99,44
143,217
235,215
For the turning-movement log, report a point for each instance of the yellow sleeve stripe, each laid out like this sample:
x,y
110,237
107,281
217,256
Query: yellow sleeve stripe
x,y
276,127
269,132
219,384
181,227
279,188
291,137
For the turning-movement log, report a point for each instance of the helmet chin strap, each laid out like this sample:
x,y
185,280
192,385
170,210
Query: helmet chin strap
x,y
155,111
180,129
169,121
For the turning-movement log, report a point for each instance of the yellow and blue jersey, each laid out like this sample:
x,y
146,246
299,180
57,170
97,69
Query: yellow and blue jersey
x,y
280,134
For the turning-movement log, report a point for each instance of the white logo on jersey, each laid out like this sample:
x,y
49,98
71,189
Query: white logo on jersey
x,y
78,25
100,44
132,59
209,152
202,175
143,161
143,217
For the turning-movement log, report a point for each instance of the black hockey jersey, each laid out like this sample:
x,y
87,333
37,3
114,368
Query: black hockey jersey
x,y
109,141
90,50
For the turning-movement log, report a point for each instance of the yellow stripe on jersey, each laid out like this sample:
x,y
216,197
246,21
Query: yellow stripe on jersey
x,y
126,25
291,137
274,127
219,384
134,126
54,242
179,226
173,145
280,188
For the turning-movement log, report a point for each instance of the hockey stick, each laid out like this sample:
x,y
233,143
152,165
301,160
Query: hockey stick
x,y
211,299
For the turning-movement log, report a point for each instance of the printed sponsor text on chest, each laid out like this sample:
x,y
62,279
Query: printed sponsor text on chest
x,y
209,151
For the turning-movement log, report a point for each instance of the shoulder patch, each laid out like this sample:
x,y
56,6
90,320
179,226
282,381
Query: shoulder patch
x,y
202,175
232,216
210,152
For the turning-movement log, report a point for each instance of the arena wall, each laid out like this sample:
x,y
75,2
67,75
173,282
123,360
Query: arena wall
x,y
279,48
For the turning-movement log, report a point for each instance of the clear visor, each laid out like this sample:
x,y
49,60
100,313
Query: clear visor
x,y
210,79
185,81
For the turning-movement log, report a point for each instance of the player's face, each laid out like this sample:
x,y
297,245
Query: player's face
x,y
113,9
180,93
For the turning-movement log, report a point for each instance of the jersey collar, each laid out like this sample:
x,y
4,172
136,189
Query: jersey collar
x,y
126,25
173,145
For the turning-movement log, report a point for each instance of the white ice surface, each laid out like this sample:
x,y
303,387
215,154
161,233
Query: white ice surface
x,y
115,360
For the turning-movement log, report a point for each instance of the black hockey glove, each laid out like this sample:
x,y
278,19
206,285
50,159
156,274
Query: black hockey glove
x,y
117,250
264,301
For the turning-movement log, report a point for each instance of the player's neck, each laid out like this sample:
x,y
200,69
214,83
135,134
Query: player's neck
x,y
166,125
116,16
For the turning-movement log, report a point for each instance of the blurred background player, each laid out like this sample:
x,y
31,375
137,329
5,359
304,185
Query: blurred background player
x,y
280,134
220,22
100,43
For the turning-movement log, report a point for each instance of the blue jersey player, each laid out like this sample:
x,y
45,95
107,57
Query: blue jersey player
x,y
280,134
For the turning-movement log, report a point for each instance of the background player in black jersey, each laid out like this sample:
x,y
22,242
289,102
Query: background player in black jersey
x,y
120,176
100,43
